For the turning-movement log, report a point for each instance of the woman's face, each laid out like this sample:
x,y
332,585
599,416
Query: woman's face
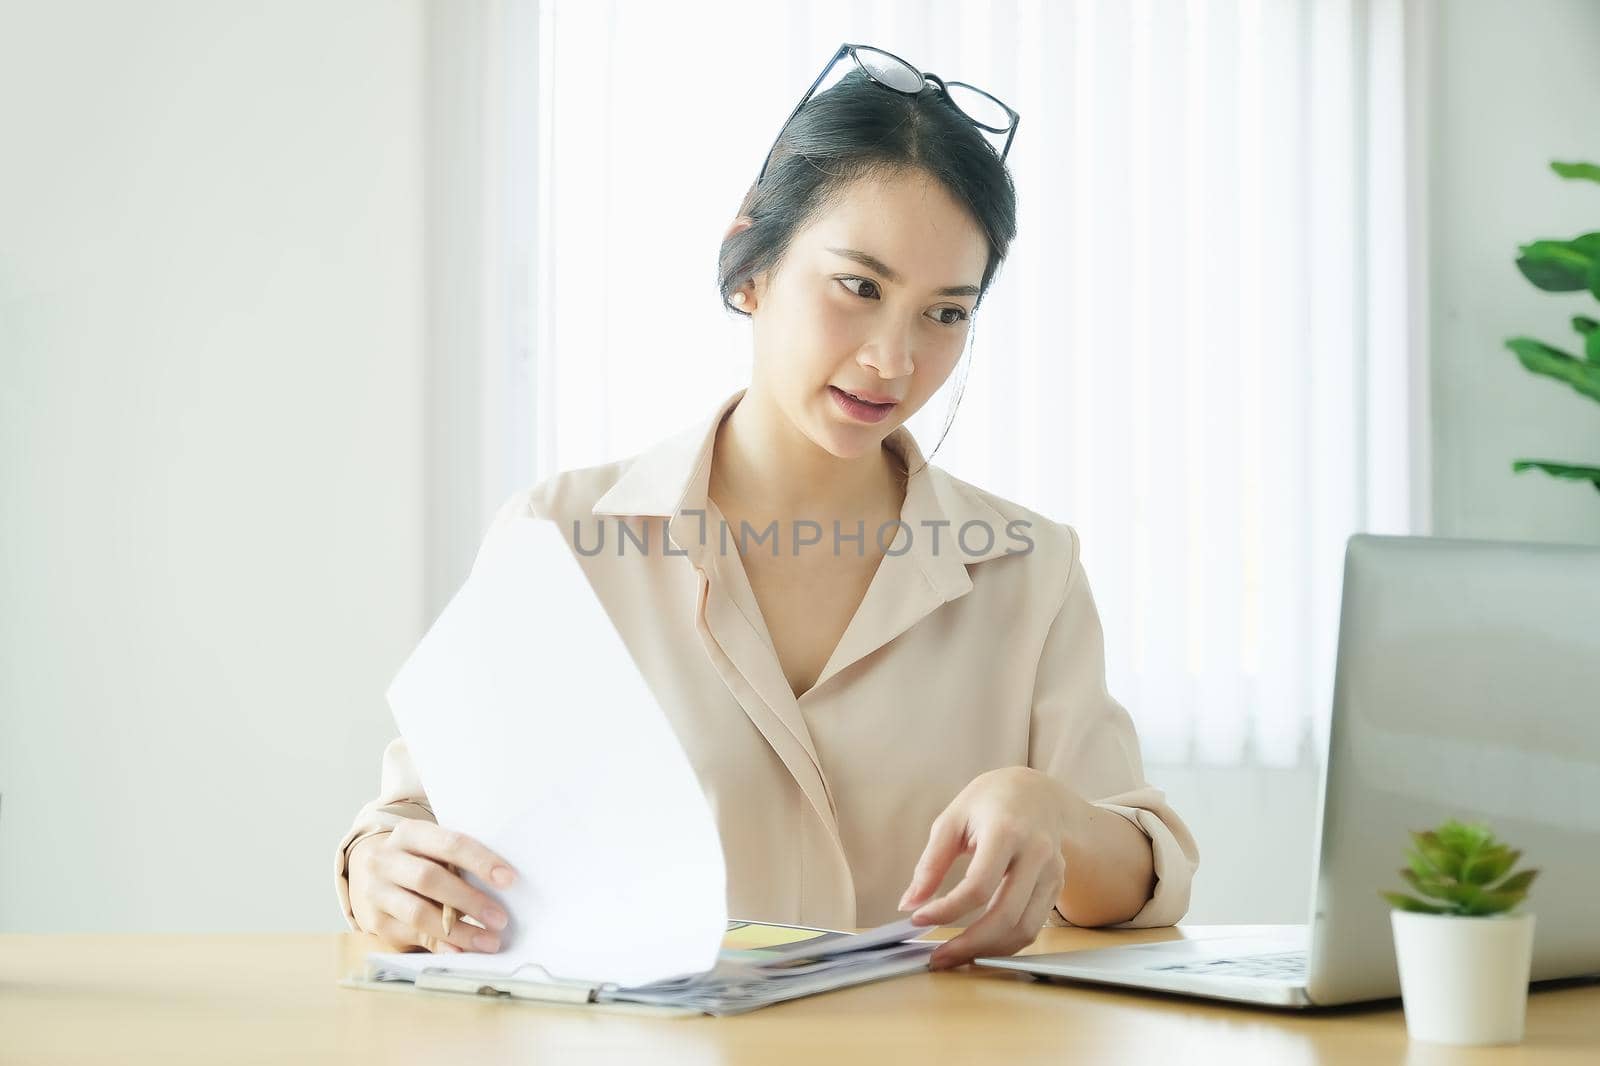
x,y
860,305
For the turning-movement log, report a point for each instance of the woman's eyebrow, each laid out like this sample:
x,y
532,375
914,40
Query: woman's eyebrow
x,y
872,262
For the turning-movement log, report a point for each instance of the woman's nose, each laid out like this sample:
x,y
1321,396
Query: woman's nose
x,y
888,360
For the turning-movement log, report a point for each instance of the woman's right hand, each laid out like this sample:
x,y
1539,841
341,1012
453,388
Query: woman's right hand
x,y
400,881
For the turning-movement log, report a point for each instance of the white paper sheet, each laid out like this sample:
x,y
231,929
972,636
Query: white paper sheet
x,y
533,732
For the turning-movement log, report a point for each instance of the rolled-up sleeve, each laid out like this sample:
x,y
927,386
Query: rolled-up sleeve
x,y
400,796
1082,736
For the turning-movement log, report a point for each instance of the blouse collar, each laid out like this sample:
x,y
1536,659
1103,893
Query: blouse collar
x,y
672,477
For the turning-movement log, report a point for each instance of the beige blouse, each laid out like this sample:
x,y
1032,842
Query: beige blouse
x,y
969,651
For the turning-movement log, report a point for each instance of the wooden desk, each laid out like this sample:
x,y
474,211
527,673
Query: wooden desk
x,y
268,998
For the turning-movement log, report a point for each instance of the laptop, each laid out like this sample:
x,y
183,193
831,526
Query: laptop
x,y
1467,686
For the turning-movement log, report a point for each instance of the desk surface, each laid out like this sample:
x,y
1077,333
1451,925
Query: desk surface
x,y
272,998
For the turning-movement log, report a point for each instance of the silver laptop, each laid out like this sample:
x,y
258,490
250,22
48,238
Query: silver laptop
x,y
1467,686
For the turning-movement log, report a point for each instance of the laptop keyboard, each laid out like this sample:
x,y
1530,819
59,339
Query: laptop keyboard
x,y
1284,966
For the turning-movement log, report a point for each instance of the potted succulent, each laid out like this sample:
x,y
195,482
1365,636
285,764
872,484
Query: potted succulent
x,y
1464,958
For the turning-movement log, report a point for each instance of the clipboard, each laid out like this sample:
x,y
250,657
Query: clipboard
x,y
548,990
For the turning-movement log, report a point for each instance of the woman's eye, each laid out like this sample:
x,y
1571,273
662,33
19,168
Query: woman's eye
x,y
867,293
865,282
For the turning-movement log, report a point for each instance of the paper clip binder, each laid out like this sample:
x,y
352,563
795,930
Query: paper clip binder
x,y
545,990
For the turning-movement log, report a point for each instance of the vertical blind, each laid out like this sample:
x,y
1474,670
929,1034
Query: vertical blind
x,y
1196,353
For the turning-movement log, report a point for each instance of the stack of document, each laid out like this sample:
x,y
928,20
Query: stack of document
x,y
533,731
743,979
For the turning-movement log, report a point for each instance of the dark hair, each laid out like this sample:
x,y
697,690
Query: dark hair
x,y
858,129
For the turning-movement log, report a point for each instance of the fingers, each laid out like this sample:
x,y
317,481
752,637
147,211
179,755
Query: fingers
x,y
1045,895
435,881
360,875
946,840
393,931
993,855
1012,922
410,889
423,921
439,885
422,837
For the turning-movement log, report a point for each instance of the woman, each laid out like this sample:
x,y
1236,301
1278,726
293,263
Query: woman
x,y
904,709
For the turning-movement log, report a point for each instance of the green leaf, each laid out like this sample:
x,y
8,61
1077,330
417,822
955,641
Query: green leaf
x,y
1593,277
1576,473
1422,867
1582,171
1427,886
1464,840
1440,857
1590,330
1416,906
1420,861
1490,865
1496,902
1473,900
1541,358
1517,882
1555,266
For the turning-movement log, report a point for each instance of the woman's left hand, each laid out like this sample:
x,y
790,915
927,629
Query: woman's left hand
x,y
1014,820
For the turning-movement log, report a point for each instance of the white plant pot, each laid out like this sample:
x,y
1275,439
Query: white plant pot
x,y
1464,980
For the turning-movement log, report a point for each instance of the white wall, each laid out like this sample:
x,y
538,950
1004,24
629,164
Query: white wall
x,y
1516,84
211,450
1255,827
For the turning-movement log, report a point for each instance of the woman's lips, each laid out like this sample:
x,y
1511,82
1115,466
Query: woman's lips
x,y
859,409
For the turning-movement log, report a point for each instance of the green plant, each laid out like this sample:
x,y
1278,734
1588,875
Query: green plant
x,y
1457,866
1564,266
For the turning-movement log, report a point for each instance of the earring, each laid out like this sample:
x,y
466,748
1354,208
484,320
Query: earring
x,y
738,298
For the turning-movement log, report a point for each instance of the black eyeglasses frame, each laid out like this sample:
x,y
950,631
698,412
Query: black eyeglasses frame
x,y
851,50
